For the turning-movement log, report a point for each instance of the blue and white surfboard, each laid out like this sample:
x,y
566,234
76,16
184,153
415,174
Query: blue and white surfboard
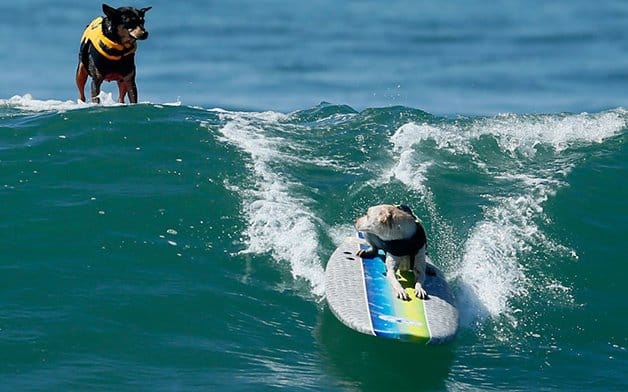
x,y
360,296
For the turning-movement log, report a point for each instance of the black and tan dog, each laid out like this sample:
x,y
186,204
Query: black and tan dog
x,y
107,51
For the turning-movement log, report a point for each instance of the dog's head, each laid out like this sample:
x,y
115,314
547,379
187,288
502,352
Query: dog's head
x,y
127,22
388,222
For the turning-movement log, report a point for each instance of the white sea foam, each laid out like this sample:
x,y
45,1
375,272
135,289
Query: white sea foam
x,y
279,222
515,132
29,104
340,232
490,272
412,170
525,133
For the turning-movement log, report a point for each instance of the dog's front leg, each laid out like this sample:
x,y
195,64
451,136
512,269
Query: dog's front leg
x,y
420,266
96,83
392,265
419,291
122,90
368,253
130,88
81,80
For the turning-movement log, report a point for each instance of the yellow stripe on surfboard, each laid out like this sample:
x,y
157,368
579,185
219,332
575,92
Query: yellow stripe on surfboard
x,y
412,311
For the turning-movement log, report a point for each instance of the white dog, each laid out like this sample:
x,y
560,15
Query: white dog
x,y
399,233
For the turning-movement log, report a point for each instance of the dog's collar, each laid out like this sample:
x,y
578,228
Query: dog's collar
x,y
111,50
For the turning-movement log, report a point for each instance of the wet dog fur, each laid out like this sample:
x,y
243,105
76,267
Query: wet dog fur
x,y
384,223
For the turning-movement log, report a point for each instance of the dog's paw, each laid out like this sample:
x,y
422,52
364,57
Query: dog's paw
x,y
420,292
367,253
401,293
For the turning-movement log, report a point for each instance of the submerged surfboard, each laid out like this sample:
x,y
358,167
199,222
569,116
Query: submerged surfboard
x,y
360,296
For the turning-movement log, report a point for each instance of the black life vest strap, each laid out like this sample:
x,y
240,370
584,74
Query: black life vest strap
x,y
404,247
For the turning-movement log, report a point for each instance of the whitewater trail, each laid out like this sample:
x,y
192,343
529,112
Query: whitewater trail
x,y
279,221
490,271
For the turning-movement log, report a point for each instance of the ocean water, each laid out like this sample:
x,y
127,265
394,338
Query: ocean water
x,y
180,244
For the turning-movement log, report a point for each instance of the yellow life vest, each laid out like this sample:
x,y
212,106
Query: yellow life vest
x,y
108,48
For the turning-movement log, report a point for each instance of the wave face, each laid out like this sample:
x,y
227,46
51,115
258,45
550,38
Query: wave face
x,y
172,246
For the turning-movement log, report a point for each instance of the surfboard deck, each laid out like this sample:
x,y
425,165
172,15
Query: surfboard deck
x,y
360,296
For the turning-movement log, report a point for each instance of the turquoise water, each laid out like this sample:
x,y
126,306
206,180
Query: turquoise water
x,y
169,247
180,244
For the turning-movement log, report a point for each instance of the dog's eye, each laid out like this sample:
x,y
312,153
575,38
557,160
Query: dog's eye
x,y
130,21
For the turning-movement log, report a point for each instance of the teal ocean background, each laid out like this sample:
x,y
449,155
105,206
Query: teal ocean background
x,y
180,244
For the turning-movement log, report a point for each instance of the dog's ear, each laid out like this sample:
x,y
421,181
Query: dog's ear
x,y
109,11
144,10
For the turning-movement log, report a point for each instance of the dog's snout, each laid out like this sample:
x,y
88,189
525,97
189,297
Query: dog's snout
x,y
140,34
